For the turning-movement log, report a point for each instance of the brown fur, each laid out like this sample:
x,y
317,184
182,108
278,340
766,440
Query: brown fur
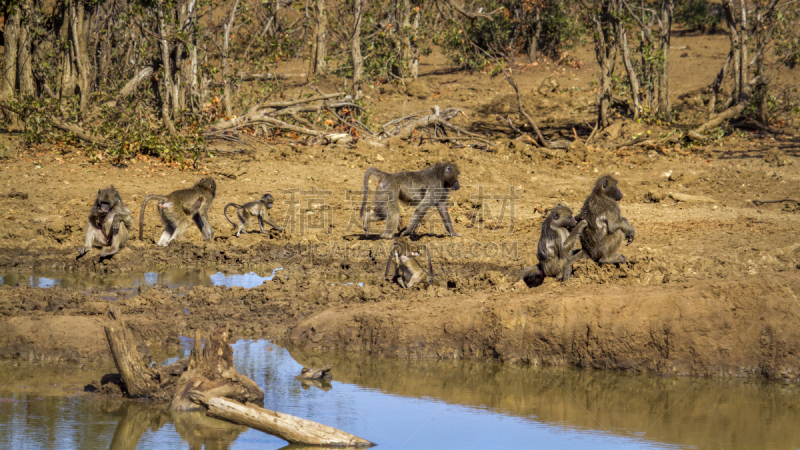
x,y
407,269
180,208
556,242
423,189
109,223
606,229
258,209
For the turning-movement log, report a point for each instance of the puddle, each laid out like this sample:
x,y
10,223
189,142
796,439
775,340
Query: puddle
x,y
419,404
125,283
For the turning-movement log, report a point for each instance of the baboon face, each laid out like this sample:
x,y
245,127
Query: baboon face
x,y
106,199
607,185
208,184
267,200
562,217
450,176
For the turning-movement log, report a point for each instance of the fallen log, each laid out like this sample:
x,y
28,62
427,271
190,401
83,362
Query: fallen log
x,y
138,379
209,370
290,428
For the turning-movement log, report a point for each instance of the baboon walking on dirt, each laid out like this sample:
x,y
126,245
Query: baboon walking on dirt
x,y
423,189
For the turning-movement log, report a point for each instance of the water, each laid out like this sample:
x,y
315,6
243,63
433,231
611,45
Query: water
x,y
403,404
129,281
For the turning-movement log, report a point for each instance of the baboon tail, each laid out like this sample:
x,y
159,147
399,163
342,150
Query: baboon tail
x,y
430,265
144,206
225,212
389,261
371,171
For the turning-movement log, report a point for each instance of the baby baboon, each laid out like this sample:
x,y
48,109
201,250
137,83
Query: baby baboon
x,y
606,228
555,246
407,268
109,223
259,208
180,208
423,189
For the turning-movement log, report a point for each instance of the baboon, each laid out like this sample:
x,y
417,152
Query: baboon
x,y
180,208
422,189
555,246
259,208
407,268
109,223
606,229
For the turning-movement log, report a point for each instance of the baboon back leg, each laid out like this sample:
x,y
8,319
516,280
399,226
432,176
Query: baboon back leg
x,y
610,246
118,241
201,220
572,259
166,237
392,223
93,238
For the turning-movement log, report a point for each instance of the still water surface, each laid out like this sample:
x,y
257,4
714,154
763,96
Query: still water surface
x,y
402,404
130,281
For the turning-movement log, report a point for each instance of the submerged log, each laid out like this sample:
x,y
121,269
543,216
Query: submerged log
x,y
290,428
209,370
323,372
138,379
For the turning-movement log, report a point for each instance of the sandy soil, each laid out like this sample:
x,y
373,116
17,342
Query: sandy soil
x,y
711,286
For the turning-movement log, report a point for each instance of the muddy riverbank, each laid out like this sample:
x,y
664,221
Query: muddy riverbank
x,y
710,287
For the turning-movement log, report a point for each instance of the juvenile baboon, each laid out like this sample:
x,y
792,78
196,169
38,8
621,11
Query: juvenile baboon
x,y
555,246
407,268
109,223
606,229
180,208
422,189
259,209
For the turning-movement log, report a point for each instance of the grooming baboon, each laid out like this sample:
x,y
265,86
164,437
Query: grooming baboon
x,y
555,246
606,229
407,268
109,223
180,208
259,209
423,189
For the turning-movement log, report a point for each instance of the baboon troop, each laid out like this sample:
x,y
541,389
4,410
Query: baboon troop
x,y
422,189
599,226
258,209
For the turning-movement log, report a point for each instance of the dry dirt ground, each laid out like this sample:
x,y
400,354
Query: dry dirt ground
x,y
710,288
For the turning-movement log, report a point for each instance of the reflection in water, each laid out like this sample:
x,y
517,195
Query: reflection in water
x,y
126,282
418,404
702,413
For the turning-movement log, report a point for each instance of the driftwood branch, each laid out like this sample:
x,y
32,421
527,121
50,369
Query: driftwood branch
x,y
290,428
729,113
404,127
267,114
208,369
542,141
761,202
138,379
79,132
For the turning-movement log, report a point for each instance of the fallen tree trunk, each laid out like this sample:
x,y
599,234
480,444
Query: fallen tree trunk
x,y
209,370
79,132
290,428
729,113
139,380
